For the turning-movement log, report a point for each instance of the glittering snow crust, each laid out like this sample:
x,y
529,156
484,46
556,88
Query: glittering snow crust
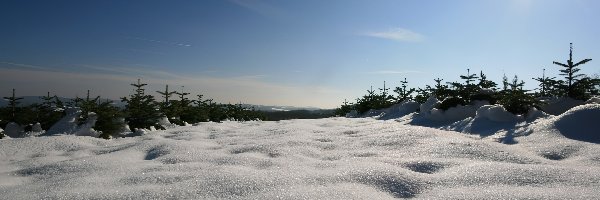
x,y
335,158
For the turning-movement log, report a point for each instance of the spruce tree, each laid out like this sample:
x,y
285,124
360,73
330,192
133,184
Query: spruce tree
x,y
13,101
403,92
183,108
570,72
108,119
87,105
49,112
166,106
441,91
141,109
515,99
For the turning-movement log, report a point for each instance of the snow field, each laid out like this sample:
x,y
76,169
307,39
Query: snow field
x,y
335,158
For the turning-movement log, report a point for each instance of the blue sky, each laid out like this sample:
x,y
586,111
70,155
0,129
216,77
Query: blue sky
x,y
301,53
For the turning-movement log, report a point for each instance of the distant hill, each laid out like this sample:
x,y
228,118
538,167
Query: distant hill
x,y
279,108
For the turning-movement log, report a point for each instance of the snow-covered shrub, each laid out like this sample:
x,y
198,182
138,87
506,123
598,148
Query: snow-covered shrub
x,y
13,130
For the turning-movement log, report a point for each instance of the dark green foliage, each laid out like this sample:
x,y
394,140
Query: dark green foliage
x,y
573,89
166,107
515,99
441,91
183,110
465,91
548,86
451,102
423,94
87,105
403,92
372,101
141,109
491,98
342,110
50,111
108,119
12,103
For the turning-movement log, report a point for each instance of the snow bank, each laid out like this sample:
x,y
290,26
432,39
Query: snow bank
x,y
559,105
334,158
455,113
397,110
580,123
495,113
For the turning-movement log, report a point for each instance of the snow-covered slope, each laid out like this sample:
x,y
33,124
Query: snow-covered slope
x,y
335,158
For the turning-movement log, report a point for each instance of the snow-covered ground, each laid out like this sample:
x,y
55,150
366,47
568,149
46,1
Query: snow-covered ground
x,y
335,158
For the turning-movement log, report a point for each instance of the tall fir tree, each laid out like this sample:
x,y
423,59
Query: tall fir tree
x,y
141,109
166,107
49,112
403,92
13,101
570,72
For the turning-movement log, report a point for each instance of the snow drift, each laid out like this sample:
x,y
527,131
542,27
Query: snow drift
x,y
580,123
335,158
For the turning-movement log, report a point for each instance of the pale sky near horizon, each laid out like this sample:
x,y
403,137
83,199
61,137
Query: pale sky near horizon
x,y
283,52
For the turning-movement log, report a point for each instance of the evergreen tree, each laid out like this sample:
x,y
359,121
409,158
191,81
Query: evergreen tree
x,y
48,111
570,72
183,106
441,91
108,119
423,94
484,82
166,106
403,93
87,105
516,100
386,98
141,109
13,101
345,108
202,109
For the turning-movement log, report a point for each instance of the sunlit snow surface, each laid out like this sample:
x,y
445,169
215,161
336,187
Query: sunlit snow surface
x,y
336,158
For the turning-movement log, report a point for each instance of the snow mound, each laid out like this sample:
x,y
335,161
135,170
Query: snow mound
x,y
398,110
456,113
495,113
557,106
580,123
592,100
429,105
13,130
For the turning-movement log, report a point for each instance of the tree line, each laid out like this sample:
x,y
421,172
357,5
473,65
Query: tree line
x,y
474,87
141,110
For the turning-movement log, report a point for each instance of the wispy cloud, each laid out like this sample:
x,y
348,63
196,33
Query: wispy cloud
x,y
396,72
134,71
396,34
159,41
21,65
